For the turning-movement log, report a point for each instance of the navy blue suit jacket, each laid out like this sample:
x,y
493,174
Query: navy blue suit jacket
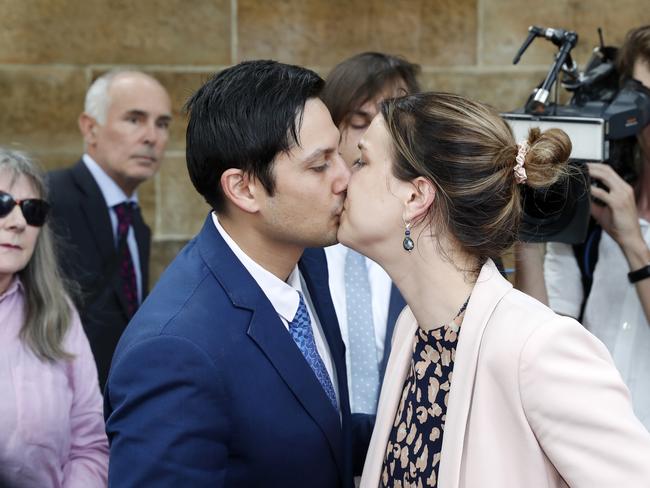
x,y
207,387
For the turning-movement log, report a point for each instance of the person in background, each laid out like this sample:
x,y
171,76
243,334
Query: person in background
x,y
616,308
51,407
366,301
125,125
485,386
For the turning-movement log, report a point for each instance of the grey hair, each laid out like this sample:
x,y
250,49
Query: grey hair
x,y
97,97
48,308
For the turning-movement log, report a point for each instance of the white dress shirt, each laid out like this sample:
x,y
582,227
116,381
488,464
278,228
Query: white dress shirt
x,y
380,290
113,195
283,298
613,312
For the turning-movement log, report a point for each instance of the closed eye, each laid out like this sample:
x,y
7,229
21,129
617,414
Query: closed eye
x,y
358,163
321,168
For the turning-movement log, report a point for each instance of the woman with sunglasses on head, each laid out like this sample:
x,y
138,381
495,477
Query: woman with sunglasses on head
x,y
485,387
51,421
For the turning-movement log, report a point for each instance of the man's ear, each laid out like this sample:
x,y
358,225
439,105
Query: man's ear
x,y
241,189
421,198
88,127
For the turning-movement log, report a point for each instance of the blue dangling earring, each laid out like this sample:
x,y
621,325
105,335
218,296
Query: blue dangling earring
x,y
408,243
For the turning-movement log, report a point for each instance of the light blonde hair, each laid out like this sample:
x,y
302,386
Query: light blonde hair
x,y
48,308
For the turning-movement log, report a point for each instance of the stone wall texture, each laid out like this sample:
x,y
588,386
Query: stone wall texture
x,y
51,50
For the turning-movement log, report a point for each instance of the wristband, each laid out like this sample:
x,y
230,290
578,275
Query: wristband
x,y
639,274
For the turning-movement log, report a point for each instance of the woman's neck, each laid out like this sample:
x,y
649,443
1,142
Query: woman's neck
x,y
434,288
5,281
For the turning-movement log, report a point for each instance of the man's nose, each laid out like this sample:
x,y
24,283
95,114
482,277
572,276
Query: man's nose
x,y
151,134
343,175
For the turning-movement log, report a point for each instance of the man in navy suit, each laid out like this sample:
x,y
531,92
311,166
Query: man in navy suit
x,y
232,373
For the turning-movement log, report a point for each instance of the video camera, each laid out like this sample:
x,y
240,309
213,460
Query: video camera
x,y
602,120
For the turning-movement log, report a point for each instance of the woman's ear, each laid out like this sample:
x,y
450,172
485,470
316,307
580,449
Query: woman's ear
x,y
421,198
241,189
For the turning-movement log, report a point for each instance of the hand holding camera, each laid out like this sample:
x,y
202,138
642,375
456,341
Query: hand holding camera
x,y
617,214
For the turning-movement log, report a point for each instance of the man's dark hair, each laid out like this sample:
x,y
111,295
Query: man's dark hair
x,y
361,78
242,118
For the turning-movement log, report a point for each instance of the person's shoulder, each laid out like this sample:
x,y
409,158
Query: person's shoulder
x,y
61,175
188,300
520,321
515,318
519,304
61,184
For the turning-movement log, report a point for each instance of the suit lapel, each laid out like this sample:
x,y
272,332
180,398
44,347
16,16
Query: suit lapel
x,y
143,240
98,220
488,291
95,211
395,307
271,336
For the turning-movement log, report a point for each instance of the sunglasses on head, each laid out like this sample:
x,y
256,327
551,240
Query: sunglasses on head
x,y
34,209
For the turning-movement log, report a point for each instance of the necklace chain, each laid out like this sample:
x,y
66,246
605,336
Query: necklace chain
x,y
452,322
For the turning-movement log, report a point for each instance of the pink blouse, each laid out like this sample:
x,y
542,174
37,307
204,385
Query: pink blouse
x,y
51,422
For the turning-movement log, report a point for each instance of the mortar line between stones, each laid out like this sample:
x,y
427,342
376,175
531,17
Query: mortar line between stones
x,y
479,33
234,32
158,201
175,68
88,69
172,237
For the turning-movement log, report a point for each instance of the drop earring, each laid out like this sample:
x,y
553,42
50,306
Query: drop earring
x,y
408,243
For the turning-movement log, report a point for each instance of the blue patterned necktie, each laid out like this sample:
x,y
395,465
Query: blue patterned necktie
x,y
364,368
303,335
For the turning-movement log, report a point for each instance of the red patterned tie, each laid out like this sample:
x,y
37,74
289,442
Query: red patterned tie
x,y
127,271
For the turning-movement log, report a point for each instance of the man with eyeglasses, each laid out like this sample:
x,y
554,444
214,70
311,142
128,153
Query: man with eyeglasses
x,y
125,126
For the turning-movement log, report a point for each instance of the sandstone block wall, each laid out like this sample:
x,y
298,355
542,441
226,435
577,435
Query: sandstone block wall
x,y
51,50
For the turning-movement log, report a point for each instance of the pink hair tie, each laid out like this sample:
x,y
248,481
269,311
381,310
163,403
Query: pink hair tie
x,y
520,172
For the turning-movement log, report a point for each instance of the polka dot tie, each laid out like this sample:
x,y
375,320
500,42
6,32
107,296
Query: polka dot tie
x,y
303,335
364,367
124,212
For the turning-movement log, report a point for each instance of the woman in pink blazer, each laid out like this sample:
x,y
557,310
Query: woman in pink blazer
x,y
485,387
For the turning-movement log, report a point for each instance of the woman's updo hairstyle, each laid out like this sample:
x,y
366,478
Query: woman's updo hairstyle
x,y
469,153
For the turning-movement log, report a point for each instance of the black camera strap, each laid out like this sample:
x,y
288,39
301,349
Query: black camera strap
x,y
586,254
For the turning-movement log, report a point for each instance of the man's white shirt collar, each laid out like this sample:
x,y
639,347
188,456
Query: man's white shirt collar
x,y
111,192
282,295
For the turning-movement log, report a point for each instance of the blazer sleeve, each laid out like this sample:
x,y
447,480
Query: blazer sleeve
x,y
580,410
87,463
166,419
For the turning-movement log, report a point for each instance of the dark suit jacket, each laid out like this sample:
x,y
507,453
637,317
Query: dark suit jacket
x,y
207,387
87,248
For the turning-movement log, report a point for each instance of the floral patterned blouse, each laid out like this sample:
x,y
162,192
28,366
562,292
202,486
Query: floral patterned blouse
x,y
413,451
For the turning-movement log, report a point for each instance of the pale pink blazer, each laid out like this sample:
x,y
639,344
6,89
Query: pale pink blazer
x,y
535,401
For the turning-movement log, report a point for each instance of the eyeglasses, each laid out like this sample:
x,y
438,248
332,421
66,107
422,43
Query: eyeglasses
x,y
34,209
